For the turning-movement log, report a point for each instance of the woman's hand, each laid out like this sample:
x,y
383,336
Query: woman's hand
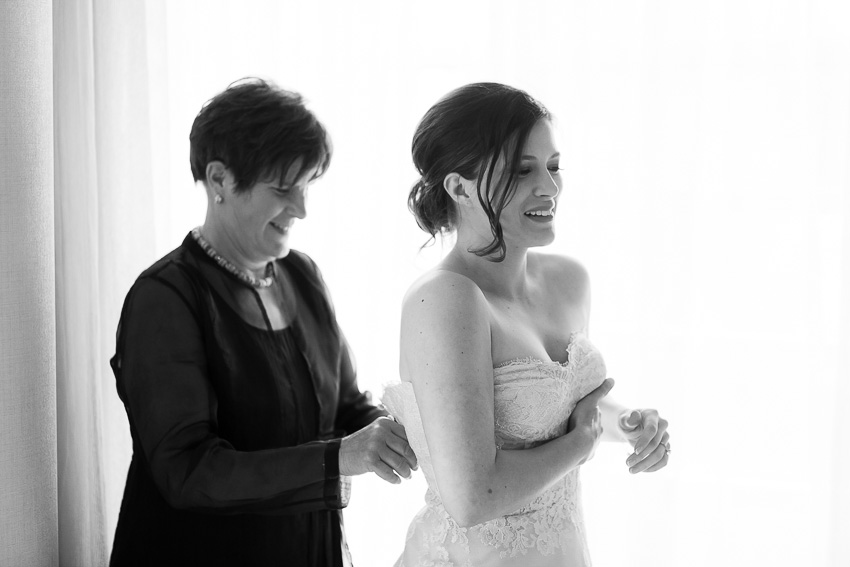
x,y
587,419
381,447
647,432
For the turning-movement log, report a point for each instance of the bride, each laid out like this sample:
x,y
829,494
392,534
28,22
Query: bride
x,y
502,394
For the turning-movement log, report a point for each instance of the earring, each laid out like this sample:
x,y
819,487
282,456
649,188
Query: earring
x,y
218,199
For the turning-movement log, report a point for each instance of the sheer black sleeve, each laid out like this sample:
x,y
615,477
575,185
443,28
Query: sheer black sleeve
x,y
162,375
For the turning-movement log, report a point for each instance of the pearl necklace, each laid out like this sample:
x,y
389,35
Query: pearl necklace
x,y
224,263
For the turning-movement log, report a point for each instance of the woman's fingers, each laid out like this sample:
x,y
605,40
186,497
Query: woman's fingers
x,y
660,464
395,462
397,441
651,459
587,408
402,447
380,447
651,456
659,438
652,426
396,451
385,472
394,426
600,392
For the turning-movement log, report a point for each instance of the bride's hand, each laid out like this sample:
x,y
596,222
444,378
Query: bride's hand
x,y
647,432
586,417
381,447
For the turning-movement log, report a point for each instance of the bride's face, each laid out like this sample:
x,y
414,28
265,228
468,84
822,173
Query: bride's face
x,y
528,219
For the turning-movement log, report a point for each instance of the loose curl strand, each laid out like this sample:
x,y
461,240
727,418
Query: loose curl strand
x,y
467,132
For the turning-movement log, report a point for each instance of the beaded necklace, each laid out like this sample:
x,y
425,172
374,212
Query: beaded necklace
x,y
258,283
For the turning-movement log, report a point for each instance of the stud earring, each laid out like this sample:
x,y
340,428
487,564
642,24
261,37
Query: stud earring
x,y
218,199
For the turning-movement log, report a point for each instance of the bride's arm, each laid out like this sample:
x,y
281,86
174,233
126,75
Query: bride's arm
x,y
643,429
445,353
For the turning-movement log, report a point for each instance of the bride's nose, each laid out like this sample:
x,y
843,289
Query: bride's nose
x,y
546,185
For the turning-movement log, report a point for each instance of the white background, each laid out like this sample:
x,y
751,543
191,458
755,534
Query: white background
x,y
705,150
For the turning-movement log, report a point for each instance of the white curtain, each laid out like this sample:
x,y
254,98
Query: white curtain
x,y
103,177
105,108
706,189
28,507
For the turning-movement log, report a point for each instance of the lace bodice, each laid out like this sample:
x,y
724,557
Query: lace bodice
x,y
533,400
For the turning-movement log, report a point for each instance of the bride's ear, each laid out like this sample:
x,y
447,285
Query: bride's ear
x,y
459,189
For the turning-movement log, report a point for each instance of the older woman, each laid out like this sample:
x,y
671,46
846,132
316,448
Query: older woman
x,y
239,386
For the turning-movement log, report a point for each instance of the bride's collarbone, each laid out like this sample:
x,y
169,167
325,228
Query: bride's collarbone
x,y
540,335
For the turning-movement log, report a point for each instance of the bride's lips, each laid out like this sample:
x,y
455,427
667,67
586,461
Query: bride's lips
x,y
541,214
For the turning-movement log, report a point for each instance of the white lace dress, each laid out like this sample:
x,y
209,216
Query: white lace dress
x,y
533,400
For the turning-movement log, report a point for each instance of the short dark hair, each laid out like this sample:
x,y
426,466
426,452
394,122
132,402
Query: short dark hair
x,y
258,130
466,132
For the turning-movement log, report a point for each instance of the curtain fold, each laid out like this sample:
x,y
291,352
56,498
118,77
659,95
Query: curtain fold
x,y
28,502
104,207
79,357
124,114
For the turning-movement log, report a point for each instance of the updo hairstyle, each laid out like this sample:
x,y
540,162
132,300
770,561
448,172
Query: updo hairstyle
x,y
466,132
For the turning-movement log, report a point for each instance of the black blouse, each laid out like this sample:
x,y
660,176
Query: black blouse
x,y
235,424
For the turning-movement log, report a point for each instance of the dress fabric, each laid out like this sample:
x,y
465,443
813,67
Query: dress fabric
x,y
236,425
533,400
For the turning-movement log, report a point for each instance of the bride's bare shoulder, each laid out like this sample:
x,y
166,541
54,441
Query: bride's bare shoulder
x,y
567,275
443,289
445,321
445,304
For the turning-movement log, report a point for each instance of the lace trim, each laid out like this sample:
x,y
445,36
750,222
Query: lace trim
x,y
534,361
446,529
546,525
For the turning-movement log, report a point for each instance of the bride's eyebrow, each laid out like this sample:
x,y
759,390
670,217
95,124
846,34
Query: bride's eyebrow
x,y
533,158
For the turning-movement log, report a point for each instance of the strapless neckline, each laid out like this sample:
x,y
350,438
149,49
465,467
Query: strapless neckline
x,y
532,402
527,361
535,361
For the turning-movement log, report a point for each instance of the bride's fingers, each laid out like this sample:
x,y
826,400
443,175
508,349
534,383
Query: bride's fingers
x,y
638,458
649,439
660,464
600,392
659,453
651,459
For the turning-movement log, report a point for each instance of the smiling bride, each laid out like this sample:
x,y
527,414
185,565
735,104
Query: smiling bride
x,y
502,394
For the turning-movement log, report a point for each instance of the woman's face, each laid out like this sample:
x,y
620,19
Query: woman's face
x,y
528,219
263,215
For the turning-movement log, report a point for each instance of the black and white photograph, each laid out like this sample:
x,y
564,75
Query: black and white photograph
x,y
467,283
